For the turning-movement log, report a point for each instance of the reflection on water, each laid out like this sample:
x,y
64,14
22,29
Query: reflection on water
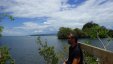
x,y
24,49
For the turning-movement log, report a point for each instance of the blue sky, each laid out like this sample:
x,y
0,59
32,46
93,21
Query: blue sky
x,y
46,16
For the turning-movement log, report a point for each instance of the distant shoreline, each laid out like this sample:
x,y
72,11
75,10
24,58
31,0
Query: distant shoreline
x,y
44,35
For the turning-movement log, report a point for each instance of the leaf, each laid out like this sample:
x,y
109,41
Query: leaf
x,y
11,18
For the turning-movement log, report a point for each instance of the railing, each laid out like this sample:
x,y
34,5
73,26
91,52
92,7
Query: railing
x,y
104,56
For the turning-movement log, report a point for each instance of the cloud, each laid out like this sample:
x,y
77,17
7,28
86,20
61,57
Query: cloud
x,y
91,10
32,26
13,32
27,28
33,8
60,13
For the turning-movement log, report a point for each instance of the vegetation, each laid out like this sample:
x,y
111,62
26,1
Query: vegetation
x,y
62,34
51,57
47,52
5,56
79,33
92,30
1,28
110,33
89,59
2,16
89,29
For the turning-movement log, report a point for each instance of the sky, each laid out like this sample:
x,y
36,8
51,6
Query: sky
x,y
47,16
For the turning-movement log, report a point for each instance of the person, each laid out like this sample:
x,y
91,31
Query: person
x,y
75,52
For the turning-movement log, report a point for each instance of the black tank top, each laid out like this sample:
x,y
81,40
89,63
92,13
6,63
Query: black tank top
x,y
74,52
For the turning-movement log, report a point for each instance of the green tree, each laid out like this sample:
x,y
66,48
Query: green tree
x,y
1,29
89,25
79,33
87,28
63,32
110,33
95,31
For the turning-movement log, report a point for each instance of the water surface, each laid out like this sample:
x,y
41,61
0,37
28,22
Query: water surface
x,y
24,49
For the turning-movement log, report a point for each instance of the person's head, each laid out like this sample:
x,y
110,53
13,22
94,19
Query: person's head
x,y
72,40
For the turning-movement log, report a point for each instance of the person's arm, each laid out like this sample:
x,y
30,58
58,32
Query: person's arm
x,y
76,56
76,61
64,63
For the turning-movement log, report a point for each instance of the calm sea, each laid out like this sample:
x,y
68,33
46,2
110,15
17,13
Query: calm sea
x,y
24,49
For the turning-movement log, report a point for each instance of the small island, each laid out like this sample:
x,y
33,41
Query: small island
x,y
86,32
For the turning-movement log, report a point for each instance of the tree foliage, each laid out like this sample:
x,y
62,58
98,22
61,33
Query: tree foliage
x,y
4,51
62,33
47,52
89,29
79,33
1,29
93,29
89,25
5,56
2,16
110,33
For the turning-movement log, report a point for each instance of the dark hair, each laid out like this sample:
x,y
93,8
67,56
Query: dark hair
x,y
73,36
